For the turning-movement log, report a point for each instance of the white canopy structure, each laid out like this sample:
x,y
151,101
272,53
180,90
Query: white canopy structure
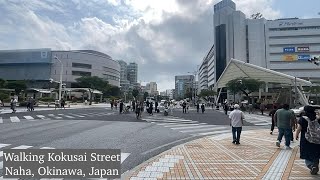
x,y
239,69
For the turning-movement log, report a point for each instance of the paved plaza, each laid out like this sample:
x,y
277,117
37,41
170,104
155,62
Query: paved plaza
x,y
215,157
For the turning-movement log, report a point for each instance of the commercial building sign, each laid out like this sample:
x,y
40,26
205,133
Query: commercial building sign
x,y
289,49
303,49
304,57
290,57
290,23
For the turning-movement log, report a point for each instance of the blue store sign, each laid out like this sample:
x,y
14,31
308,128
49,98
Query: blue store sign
x,y
289,49
304,57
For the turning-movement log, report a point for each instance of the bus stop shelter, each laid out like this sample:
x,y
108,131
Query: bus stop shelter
x,y
239,69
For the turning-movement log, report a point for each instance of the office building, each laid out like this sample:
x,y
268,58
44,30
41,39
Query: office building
x,y
40,65
151,88
283,45
206,71
132,73
182,84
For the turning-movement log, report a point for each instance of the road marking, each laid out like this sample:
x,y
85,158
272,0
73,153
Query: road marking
x,y
194,127
1,120
46,148
66,116
28,117
3,145
180,125
42,117
212,133
77,115
124,156
165,119
14,119
54,116
22,147
163,124
205,129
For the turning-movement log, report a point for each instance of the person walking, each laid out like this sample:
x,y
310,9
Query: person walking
x,y
202,108
309,151
121,107
198,107
13,105
111,103
32,103
184,107
250,108
284,118
116,104
236,122
138,110
226,108
63,102
156,107
133,105
272,113
151,108
262,108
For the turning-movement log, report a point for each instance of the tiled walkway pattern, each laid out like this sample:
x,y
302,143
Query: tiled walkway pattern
x,y
217,158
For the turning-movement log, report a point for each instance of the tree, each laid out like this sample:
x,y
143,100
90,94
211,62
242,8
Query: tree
x,y
18,86
92,82
256,16
135,93
313,90
244,85
206,94
3,83
145,95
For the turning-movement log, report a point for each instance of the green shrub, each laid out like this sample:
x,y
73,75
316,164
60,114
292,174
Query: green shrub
x,y
4,96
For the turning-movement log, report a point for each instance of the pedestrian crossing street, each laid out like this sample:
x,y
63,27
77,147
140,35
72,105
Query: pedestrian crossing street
x,y
191,127
256,119
15,118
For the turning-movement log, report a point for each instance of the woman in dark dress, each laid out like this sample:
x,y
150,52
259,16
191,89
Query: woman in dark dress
x,y
308,151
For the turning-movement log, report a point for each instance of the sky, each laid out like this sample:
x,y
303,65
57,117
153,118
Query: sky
x,y
165,37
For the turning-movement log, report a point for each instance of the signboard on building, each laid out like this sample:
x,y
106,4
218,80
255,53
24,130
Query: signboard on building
x,y
303,49
304,57
289,49
290,57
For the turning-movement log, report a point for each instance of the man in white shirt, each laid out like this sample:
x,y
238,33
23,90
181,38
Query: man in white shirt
x,y
236,121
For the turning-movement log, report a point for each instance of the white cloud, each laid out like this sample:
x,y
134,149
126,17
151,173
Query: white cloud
x,y
166,37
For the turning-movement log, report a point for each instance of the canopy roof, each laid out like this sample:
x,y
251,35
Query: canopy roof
x,y
239,69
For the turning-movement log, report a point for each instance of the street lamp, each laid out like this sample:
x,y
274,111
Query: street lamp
x,y
61,71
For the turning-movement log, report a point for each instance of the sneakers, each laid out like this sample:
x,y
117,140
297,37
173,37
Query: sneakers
x,y
278,143
288,147
314,170
271,132
237,143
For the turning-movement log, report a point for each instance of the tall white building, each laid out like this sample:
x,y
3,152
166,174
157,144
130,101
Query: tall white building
x,y
151,88
206,71
282,45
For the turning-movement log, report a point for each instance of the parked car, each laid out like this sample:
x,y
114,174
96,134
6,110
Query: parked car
x,y
298,111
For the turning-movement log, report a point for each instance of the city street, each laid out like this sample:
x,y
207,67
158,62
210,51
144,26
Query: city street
x,y
100,127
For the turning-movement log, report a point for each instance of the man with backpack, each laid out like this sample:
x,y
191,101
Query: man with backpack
x,y
309,126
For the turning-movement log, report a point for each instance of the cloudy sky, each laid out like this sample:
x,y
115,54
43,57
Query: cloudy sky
x,y
165,37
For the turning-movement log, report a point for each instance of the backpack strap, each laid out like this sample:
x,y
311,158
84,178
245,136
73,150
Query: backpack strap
x,y
306,118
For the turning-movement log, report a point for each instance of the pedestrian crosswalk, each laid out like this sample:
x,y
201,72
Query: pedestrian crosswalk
x,y
191,127
24,118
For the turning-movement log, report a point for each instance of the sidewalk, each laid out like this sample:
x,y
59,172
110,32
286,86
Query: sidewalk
x,y
216,157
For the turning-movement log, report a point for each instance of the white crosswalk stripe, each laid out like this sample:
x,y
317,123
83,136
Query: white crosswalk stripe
x,y
28,117
14,119
188,126
54,116
66,116
1,120
42,117
76,115
256,119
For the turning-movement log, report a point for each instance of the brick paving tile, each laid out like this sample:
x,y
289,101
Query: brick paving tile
x,y
211,158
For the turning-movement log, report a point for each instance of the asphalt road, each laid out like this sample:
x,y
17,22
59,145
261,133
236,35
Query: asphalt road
x,y
102,128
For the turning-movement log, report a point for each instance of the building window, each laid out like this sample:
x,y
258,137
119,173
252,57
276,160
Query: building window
x,y
81,73
81,65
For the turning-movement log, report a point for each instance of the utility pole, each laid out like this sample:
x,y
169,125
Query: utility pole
x,y
295,91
